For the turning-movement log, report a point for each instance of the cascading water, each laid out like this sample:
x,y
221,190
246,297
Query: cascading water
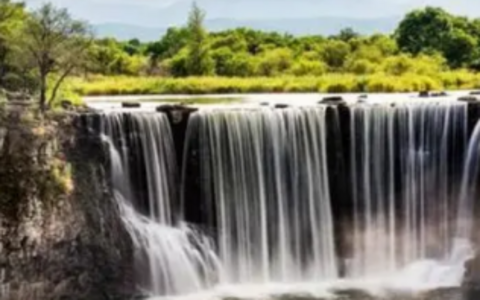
x,y
268,197
178,259
470,188
269,182
404,180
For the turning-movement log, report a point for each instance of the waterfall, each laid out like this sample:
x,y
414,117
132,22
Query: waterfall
x,y
469,191
405,180
261,199
268,176
175,258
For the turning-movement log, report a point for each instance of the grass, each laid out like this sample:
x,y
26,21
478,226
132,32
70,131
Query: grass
x,y
331,83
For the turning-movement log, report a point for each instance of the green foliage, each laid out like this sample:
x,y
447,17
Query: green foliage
x,y
430,49
12,14
174,40
65,92
434,30
177,65
347,35
303,67
274,62
229,63
335,53
108,57
51,41
199,60
334,83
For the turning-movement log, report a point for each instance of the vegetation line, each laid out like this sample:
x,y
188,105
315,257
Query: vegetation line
x,y
49,54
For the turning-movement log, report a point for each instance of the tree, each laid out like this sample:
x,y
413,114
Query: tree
x,y
11,14
335,53
133,47
230,63
199,60
169,45
347,34
434,30
11,17
460,48
275,62
424,30
53,43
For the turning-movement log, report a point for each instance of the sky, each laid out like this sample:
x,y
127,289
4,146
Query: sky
x,y
153,13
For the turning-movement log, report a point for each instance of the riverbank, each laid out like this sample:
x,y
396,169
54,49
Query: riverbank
x,y
330,83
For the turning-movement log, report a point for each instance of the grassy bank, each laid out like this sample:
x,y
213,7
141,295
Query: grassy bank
x,y
332,83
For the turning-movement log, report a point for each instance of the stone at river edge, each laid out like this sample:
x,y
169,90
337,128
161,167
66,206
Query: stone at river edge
x,y
61,236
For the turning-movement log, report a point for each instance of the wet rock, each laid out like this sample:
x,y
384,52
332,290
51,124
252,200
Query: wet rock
x,y
441,294
353,294
131,105
67,105
281,106
362,294
332,100
438,94
178,116
471,279
177,113
474,93
424,94
468,99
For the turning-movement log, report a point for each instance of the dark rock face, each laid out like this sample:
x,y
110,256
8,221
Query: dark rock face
x,y
332,100
61,236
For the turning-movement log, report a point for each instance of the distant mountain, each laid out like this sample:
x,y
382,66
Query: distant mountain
x,y
296,26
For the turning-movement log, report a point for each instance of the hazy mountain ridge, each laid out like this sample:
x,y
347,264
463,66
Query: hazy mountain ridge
x,y
296,26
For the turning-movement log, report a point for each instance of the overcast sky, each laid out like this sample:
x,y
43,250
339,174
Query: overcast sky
x,y
161,12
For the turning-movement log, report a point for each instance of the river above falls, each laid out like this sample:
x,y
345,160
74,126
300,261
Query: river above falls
x,y
150,102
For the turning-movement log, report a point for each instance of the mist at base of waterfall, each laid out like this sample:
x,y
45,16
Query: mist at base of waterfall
x,y
413,281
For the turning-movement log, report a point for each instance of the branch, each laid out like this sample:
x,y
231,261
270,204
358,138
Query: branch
x,y
59,83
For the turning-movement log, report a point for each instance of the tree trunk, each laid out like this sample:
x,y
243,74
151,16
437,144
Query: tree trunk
x,y
58,84
43,92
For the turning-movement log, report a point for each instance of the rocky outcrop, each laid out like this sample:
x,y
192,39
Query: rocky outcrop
x,y
61,236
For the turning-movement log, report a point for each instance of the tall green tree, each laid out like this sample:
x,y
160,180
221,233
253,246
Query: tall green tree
x,y
199,60
424,30
52,42
433,30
